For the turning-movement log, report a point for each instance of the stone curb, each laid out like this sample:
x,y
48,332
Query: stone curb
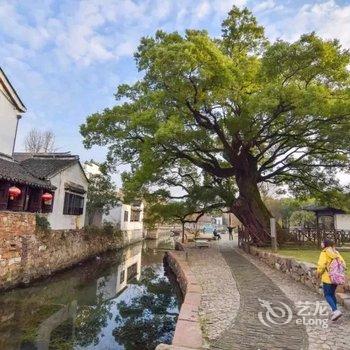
x,y
300,271
188,333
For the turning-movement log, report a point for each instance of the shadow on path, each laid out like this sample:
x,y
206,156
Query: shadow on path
x,y
247,332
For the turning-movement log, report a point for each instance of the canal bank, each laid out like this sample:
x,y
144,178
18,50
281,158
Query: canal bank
x,y
212,296
188,333
27,253
122,300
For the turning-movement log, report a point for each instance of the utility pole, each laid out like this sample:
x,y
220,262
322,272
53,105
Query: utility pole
x,y
273,234
14,141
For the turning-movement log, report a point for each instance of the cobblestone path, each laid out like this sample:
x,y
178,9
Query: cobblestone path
x,y
336,336
220,297
246,331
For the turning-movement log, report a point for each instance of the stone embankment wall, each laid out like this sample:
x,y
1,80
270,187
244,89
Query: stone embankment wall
x,y
300,271
26,254
188,334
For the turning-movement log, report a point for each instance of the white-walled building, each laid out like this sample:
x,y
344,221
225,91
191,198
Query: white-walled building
x,y
92,219
91,169
65,172
19,189
27,180
11,108
130,268
128,218
342,222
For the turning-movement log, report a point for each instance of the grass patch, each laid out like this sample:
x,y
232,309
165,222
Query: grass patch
x,y
309,254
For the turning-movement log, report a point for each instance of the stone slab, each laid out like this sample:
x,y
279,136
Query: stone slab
x,y
188,334
189,313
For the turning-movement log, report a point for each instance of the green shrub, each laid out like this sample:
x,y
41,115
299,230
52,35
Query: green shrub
x,y
108,228
302,218
42,224
92,230
118,234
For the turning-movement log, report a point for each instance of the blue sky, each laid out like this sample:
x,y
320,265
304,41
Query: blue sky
x,y
66,57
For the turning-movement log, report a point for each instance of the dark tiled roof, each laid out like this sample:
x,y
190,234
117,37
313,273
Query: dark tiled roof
x,y
46,167
316,208
11,170
21,156
5,82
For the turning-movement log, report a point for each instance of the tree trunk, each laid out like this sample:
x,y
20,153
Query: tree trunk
x,y
249,207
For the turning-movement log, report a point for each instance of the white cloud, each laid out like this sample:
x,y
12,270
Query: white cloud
x,y
87,32
328,19
13,25
224,6
126,48
162,9
264,5
203,9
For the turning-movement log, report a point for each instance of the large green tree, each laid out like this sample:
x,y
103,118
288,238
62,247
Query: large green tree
x,y
235,107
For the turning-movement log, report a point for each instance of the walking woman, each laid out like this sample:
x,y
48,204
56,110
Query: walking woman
x,y
331,269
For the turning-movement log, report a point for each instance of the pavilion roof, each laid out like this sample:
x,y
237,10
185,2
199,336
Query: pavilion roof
x,y
323,209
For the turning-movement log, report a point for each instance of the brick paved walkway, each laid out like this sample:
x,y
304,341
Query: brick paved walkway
x,y
336,336
220,298
233,282
247,332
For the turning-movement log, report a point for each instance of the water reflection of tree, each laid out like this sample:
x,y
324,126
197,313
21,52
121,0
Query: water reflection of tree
x,y
90,320
85,329
148,318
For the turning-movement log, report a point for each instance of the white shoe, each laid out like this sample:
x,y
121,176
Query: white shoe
x,y
336,314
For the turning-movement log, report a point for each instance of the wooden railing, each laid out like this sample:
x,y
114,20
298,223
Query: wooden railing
x,y
299,236
316,236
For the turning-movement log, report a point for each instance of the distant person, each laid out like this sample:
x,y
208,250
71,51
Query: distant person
x,y
216,234
331,268
230,232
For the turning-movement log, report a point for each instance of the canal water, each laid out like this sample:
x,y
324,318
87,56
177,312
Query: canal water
x,y
125,299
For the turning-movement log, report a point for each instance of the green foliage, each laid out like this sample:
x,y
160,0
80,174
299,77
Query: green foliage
x,y
102,194
241,33
92,229
90,321
236,111
283,208
168,212
42,224
303,218
149,318
108,228
62,337
337,198
31,325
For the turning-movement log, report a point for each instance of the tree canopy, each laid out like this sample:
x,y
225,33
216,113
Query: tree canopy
x,y
101,196
236,108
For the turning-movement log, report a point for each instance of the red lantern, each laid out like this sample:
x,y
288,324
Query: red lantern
x,y
47,198
14,192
